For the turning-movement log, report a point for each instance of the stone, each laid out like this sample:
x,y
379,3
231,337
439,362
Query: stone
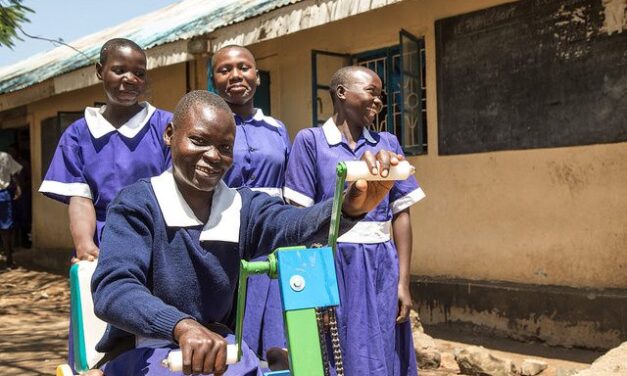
x,y
565,372
613,363
532,367
477,361
416,324
427,353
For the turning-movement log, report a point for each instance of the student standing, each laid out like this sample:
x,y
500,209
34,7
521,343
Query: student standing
x,y
9,170
261,150
111,147
373,270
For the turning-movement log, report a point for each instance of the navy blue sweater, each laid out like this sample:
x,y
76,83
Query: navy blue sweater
x,y
150,276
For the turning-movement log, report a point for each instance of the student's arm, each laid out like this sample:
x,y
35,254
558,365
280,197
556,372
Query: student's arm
x,y
120,281
300,174
401,228
122,298
270,226
82,228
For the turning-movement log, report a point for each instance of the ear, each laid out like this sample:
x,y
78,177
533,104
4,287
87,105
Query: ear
x,y
99,71
340,92
167,134
258,80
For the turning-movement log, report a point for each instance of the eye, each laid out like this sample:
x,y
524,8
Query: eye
x,y
226,149
117,70
222,70
140,74
198,141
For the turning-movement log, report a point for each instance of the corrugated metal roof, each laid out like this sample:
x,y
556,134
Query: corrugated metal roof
x,y
182,20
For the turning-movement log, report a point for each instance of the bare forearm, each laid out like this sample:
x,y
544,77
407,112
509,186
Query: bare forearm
x,y
401,228
83,226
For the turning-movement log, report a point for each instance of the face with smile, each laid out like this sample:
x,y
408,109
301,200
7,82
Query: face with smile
x,y
123,74
361,96
201,144
235,75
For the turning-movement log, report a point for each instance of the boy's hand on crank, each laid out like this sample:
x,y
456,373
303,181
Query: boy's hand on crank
x,y
363,196
204,352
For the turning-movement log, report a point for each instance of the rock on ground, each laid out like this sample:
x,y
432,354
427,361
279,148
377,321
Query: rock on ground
x,y
427,353
532,367
613,363
477,361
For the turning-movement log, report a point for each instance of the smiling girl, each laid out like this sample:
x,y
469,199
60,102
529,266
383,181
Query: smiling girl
x,y
262,147
109,148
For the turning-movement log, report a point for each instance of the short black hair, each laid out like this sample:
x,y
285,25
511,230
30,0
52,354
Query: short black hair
x,y
196,97
343,77
116,43
228,47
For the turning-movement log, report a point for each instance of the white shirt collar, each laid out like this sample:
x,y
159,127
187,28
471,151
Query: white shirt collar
x,y
224,219
334,136
99,126
259,116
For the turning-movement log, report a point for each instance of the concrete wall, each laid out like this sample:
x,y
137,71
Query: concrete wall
x,y
544,216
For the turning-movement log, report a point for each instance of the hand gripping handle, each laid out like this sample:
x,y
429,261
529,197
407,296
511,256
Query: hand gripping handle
x,y
356,170
174,361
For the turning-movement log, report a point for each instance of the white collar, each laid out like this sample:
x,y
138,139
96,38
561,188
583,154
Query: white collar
x,y
99,126
334,136
224,219
259,116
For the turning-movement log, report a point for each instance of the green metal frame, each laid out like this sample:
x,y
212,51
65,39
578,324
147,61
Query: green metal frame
x,y
301,325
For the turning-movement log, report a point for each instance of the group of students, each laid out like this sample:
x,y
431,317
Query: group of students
x,y
186,196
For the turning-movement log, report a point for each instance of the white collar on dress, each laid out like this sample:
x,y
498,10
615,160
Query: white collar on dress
x,y
224,219
334,136
99,126
259,116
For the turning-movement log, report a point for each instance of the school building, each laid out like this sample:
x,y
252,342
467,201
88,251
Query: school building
x,y
514,114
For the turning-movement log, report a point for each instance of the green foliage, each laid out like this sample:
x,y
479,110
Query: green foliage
x,y
12,15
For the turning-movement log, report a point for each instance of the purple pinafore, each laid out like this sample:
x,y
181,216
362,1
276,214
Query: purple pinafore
x,y
367,261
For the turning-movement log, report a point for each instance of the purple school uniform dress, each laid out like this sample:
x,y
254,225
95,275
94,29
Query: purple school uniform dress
x,y
261,149
94,160
367,261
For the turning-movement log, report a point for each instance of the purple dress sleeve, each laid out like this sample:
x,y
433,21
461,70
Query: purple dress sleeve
x,y
65,177
300,177
407,192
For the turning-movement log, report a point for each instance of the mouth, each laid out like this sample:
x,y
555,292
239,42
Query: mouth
x,y
238,90
128,93
208,171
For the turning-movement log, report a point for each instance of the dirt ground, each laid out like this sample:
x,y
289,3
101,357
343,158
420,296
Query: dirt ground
x,y
34,309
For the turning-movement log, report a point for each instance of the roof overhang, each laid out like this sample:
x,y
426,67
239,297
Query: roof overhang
x,y
279,22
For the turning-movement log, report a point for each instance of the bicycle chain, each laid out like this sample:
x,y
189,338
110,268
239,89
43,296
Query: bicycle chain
x,y
335,340
323,339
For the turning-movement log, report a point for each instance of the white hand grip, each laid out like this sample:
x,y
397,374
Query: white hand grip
x,y
174,361
356,170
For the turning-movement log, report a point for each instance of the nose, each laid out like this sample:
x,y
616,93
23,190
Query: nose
x,y
131,78
236,74
378,102
212,155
